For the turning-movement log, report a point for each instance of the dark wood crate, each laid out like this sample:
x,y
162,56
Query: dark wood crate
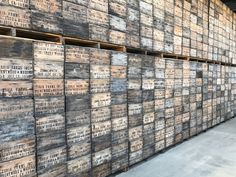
x,y
44,106
72,103
49,141
16,129
119,150
15,108
102,170
120,163
46,22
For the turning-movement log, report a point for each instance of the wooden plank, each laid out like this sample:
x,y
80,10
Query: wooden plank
x,y
15,108
119,137
48,51
77,71
48,70
101,129
77,103
75,20
52,105
117,37
47,141
100,114
15,89
59,171
135,133
76,87
14,69
99,72
101,143
78,134
16,17
99,85
80,166
120,163
16,3
46,22
15,129
20,167
100,100
119,110
79,150
101,5
119,150
46,87
75,118
102,170
135,157
54,6
50,123
101,157
119,123
98,32
17,149
118,98
15,48
76,54
99,57
118,85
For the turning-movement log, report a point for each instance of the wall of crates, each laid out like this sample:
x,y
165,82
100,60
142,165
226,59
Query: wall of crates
x,y
68,110
196,28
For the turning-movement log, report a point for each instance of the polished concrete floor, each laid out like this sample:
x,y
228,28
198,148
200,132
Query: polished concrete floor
x,y
211,154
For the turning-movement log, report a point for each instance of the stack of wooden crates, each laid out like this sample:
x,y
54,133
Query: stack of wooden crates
x,y
79,109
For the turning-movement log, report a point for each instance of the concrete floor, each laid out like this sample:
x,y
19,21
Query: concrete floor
x,y
211,154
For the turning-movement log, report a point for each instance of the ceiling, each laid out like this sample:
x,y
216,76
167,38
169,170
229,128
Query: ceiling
x,y
231,4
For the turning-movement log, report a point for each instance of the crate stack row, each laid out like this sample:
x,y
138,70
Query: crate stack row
x,y
49,100
220,27
17,124
69,110
203,29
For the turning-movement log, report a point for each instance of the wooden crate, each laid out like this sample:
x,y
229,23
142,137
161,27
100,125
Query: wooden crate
x,y
47,160
23,166
15,17
17,149
47,88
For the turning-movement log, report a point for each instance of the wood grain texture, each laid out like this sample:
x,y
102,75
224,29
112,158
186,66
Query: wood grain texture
x,y
20,167
16,49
